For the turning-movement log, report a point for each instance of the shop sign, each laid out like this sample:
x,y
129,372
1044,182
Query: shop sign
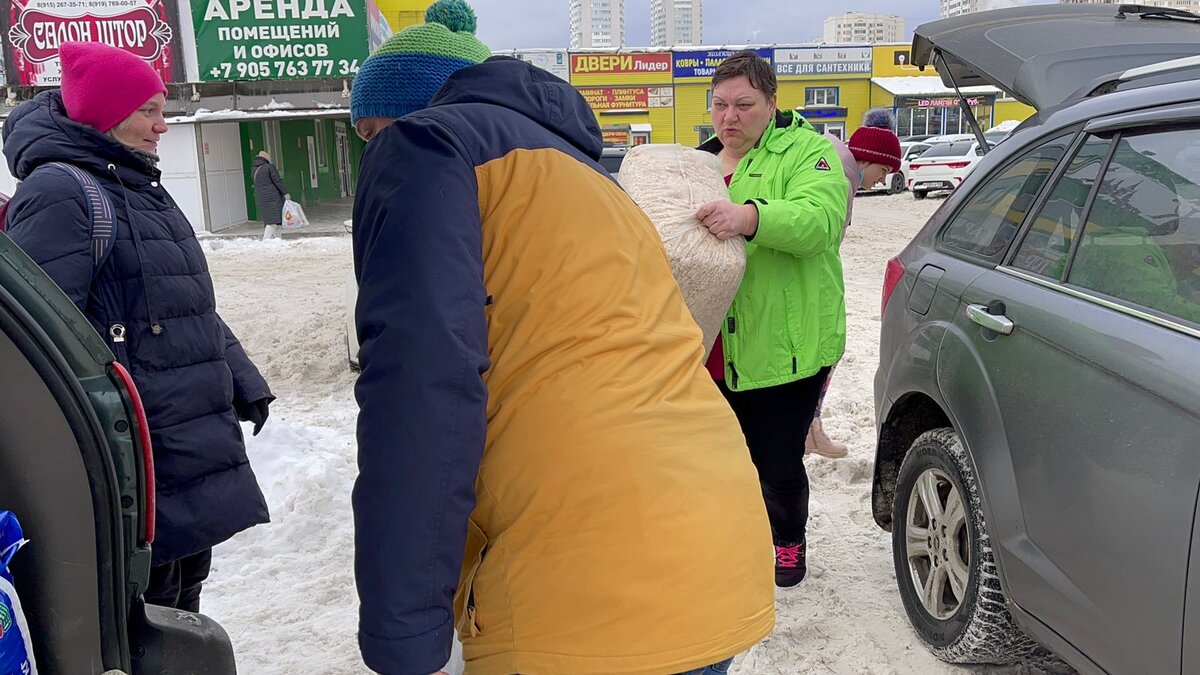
x,y
704,64
613,136
37,28
944,102
628,98
279,39
947,102
620,64
823,61
823,113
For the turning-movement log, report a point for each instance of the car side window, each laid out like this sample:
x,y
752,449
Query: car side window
x,y
1047,243
988,221
1141,241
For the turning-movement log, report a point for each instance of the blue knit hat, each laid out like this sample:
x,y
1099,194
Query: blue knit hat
x,y
406,71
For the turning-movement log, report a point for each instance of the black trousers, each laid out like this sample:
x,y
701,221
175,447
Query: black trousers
x,y
775,421
177,583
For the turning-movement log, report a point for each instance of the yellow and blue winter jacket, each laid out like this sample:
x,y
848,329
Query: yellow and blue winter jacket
x,y
544,463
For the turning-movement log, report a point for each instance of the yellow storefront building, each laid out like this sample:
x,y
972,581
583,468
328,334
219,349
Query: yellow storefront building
x,y
631,94
829,85
666,97
401,14
924,105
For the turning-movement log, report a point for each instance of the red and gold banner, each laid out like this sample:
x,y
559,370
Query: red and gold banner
x,y
36,29
628,98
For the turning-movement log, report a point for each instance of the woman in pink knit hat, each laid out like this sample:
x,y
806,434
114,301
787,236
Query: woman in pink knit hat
x,y
871,154
151,297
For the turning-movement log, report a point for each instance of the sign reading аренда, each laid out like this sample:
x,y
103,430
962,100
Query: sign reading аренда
x,y
279,39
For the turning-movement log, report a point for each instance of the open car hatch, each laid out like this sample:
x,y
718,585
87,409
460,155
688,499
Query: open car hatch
x,y
1045,55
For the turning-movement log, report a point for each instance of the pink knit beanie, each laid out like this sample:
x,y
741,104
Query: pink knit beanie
x,y
875,142
102,85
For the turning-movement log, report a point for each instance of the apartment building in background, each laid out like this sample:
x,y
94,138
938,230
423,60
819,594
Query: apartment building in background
x,y
598,24
957,7
859,28
1189,5
676,22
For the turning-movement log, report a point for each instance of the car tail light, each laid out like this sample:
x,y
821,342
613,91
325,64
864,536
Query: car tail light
x,y
143,427
913,167
891,278
958,165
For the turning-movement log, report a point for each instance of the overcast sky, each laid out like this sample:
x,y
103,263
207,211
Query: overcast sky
x,y
511,24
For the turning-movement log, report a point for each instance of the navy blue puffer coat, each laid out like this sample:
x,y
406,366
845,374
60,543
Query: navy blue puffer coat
x,y
186,363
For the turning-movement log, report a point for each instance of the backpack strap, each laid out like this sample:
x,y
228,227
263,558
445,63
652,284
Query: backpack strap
x,y
100,213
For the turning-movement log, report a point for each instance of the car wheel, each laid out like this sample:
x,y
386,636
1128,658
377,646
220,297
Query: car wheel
x,y
897,185
943,558
918,194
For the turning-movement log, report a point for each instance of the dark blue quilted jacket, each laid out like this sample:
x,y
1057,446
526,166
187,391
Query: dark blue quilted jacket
x,y
187,364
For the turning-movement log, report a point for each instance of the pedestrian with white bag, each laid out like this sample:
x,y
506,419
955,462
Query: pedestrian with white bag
x,y
270,194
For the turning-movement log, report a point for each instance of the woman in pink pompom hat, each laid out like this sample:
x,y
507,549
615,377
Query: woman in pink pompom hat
x,y
103,86
149,296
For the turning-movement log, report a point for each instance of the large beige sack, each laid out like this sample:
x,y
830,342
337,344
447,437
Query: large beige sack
x,y
670,183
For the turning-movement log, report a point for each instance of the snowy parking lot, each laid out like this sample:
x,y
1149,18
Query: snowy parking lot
x,y
285,591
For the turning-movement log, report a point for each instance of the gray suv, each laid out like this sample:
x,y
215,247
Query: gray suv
x,y
1038,393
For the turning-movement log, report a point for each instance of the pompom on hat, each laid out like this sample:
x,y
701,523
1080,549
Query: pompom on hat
x,y
403,75
103,85
875,142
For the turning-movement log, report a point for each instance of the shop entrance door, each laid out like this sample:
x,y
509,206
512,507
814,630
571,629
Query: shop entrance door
x,y
346,180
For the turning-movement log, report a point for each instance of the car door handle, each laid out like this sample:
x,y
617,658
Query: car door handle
x,y
997,322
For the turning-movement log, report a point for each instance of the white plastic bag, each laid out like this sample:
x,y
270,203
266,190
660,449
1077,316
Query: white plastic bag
x,y
293,215
670,183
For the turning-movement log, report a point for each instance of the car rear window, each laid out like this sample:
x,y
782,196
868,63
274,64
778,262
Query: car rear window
x,y
989,218
947,150
1141,237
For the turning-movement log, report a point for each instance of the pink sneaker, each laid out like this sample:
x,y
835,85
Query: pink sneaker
x,y
791,563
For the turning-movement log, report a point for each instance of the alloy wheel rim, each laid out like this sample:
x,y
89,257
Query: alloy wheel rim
x,y
938,544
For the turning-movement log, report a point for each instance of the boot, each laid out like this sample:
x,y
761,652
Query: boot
x,y
269,233
820,444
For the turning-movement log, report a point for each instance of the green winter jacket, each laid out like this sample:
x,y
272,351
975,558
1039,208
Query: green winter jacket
x,y
788,319
1125,263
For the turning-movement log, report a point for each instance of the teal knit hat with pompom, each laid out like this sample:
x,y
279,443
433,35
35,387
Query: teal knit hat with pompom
x,y
403,75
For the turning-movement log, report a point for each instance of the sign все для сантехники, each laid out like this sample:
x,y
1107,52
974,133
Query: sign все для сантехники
x,y
279,39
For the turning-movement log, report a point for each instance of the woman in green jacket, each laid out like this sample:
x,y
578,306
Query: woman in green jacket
x,y
787,325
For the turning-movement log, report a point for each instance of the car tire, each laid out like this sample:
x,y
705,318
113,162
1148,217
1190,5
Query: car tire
x,y
897,185
967,621
918,194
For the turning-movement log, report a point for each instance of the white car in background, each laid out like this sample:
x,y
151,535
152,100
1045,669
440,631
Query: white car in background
x,y
942,167
949,138
895,183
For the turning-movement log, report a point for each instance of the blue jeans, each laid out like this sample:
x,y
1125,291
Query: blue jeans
x,y
715,669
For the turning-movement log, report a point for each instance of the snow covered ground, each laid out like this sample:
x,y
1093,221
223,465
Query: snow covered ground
x,y
285,591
